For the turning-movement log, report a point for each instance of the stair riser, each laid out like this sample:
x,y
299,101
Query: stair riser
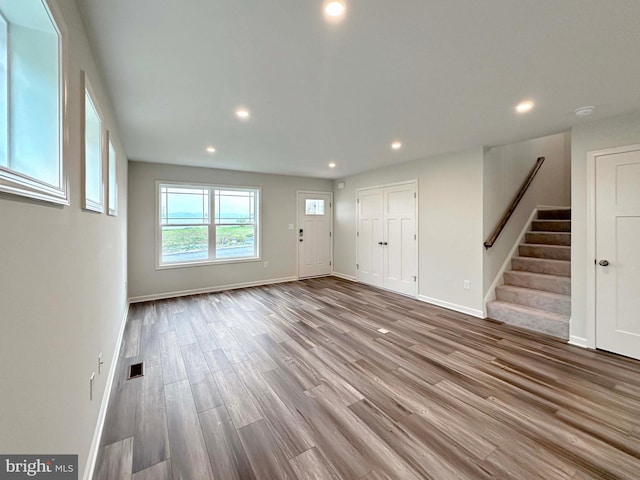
x,y
541,266
530,321
544,251
554,214
534,299
549,238
552,284
551,226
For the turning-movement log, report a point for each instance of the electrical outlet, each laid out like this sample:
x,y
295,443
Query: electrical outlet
x,y
467,285
266,264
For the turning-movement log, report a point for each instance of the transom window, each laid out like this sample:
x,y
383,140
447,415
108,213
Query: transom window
x,y
31,101
207,223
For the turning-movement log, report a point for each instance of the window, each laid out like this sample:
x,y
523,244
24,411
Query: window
x,y
31,100
93,186
206,224
314,207
113,181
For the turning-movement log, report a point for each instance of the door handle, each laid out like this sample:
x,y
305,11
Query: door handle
x,y
380,243
385,243
301,240
603,263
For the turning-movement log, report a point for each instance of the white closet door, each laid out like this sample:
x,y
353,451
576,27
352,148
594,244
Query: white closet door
x,y
400,239
387,252
370,236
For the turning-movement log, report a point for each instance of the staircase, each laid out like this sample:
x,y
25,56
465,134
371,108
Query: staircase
x,y
537,290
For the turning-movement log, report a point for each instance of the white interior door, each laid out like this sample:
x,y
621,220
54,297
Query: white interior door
x,y
618,255
314,234
370,249
400,239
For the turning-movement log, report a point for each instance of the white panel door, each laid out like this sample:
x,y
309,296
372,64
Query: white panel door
x,y
400,239
314,234
618,255
370,248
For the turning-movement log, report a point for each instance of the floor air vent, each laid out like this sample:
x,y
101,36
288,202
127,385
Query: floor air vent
x,y
136,370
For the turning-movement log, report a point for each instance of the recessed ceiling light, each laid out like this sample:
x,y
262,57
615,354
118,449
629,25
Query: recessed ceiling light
x,y
211,149
524,107
584,111
396,145
332,165
242,113
335,8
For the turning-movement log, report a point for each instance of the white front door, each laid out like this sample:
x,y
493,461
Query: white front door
x,y
314,234
400,239
370,244
617,252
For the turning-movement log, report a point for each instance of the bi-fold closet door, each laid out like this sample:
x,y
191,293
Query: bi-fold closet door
x,y
387,238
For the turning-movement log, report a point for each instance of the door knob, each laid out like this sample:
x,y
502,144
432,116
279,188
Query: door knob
x,y
379,243
603,263
301,240
385,243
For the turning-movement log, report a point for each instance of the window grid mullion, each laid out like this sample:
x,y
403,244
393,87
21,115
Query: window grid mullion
x,y
212,224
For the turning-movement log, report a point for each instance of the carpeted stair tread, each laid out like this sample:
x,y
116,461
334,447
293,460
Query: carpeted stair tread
x,y
548,238
542,265
552,252
528,297
532,318
555,214
551,225
538,281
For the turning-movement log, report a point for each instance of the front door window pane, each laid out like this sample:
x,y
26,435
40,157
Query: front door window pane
x,y
314,207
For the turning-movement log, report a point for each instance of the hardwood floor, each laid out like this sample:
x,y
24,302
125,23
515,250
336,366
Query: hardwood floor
x,y
295,381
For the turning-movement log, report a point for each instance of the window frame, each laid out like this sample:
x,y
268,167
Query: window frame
x,y
112,177
16,183
88,203
211,225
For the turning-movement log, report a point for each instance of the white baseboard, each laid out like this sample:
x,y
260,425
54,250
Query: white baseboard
x,y
97,434
221,288
452,306
344,276
578,341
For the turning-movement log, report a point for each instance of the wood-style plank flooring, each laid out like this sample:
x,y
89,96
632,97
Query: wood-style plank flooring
x,y
295,381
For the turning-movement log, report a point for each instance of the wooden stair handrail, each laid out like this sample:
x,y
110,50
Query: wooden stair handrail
x,y
514,203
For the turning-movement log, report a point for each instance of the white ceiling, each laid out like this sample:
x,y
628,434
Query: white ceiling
x,y
438,75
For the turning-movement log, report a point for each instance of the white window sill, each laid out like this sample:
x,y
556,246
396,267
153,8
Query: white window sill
x,y
206,263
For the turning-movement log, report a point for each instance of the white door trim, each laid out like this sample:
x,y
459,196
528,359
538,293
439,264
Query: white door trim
x,y
297,229
591,235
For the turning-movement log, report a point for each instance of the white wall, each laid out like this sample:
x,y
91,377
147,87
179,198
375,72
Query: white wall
x,y
450,225
598,135
62,294
279,244
505,168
